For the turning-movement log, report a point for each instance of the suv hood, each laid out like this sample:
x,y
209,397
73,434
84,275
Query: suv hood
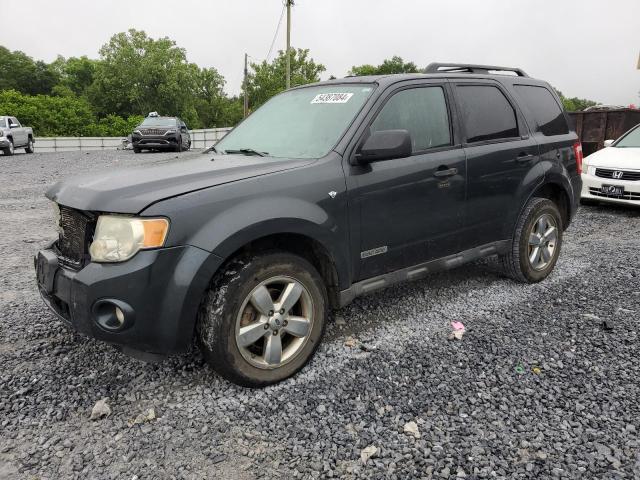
x,y
131,190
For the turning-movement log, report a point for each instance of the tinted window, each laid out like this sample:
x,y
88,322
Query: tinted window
x,y
486,113
420,111
546,112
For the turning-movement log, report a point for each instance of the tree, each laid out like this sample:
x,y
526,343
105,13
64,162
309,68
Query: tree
x,y
20,72
76,74
575,104
269,79
389,66
212,105
138,74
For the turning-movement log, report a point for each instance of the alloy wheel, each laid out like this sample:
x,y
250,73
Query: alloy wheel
x,y
542,242
274,322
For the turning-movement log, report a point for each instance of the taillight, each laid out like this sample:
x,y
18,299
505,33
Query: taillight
x,y
577,150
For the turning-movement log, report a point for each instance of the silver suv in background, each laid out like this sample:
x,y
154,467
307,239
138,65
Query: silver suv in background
x,y
13,135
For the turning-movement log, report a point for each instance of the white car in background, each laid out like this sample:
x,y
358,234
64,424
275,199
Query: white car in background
x,y
613,173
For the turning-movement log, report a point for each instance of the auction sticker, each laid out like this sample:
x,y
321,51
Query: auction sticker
x,y
332,98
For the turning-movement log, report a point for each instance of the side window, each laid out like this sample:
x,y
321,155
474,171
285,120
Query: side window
x,y
545,110
422,112
15,120
486,113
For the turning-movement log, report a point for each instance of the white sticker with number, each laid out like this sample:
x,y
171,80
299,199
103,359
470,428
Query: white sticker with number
x,y
332,98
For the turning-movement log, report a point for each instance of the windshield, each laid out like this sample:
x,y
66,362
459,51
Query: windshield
x,y
630,140
301,123
158,122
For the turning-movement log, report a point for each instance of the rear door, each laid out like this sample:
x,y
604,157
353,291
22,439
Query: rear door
x,y
501,156
408,210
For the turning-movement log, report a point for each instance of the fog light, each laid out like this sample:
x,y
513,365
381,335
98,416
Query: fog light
x,y
113,315
120,316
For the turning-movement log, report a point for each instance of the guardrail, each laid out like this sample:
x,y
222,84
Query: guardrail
x,y
202,138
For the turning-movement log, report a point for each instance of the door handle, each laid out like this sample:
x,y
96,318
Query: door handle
x,y
524,157
447,172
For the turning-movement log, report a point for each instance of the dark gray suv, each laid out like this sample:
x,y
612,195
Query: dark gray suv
x,y
161,133
327,192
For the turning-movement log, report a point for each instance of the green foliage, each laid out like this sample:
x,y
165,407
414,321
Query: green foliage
x,y
138,74
76,74
389,66
20,72
269,79
51,116
48,115
575,104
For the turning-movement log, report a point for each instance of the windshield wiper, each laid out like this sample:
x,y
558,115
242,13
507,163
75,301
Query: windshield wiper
x,y
248,151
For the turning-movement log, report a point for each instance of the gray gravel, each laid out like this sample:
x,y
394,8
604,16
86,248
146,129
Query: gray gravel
x,y
537,388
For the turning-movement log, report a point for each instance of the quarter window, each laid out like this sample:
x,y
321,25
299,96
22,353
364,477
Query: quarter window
x,y
486,113
422,112
550,119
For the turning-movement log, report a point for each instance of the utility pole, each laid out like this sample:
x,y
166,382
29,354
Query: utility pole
x,y
244,83
289,3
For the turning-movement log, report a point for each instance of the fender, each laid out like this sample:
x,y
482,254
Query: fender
x,y
229,231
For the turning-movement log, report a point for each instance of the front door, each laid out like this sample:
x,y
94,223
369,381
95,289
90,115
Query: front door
x,y
409,210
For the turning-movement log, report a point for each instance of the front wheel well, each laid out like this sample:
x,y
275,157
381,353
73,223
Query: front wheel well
x,y
306,247
558,195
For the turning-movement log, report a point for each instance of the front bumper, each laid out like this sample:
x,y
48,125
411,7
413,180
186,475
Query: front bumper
x,y
163,289
155,141
4,142
591,189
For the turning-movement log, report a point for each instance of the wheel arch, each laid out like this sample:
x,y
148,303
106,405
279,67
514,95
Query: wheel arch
x,y
559,195
293,241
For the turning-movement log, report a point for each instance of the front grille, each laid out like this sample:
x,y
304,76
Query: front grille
x,y
76,230
153,131
626,196
627,175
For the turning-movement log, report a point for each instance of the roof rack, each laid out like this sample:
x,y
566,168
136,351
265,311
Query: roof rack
x,y
467,68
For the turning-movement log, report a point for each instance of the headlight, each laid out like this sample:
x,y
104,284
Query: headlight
x,y
1,133
169,132
119,238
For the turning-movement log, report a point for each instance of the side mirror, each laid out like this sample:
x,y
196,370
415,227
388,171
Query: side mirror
x,y
13,125
385,145
608,143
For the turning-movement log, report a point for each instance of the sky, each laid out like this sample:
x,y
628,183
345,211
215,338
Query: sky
x,y
585,48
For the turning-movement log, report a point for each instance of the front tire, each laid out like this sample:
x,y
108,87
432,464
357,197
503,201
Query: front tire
x,y
536,243
10,149
179,146
29,147
263,318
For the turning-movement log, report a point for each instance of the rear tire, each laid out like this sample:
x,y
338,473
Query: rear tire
x,y
136,150
536,243
29,147
241,330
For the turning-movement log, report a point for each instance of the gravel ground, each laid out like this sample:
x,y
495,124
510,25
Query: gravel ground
x,y
536,388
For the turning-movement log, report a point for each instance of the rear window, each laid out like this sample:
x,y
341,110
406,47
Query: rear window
x,y
546,112
486,113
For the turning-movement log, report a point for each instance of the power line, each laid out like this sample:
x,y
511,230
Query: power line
x,y
275,35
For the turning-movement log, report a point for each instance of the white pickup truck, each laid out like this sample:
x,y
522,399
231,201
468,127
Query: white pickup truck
x,y
13,135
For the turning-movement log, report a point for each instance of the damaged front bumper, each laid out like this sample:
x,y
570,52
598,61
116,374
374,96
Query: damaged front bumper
x,y
147,304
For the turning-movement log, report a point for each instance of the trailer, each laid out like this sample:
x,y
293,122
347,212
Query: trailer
x,y
596,126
